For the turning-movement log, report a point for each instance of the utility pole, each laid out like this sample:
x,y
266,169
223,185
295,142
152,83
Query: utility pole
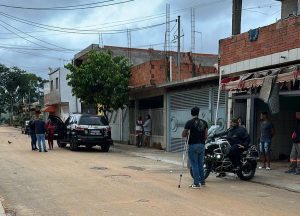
x,y
178,48
236,16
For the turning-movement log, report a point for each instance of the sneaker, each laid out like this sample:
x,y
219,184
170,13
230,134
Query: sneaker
x,y
195,186
268,168
262,167
290,171
203,183
45,151
297,172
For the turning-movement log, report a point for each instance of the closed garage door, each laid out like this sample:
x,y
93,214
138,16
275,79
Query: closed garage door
x,y
180,104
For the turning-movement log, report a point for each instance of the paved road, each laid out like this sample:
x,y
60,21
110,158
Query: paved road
x,y
62,182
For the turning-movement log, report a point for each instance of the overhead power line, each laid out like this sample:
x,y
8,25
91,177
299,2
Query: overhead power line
x,y
72,7
35,37
76,31
26,38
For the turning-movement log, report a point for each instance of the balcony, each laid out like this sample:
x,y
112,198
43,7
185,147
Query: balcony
x,y
52,98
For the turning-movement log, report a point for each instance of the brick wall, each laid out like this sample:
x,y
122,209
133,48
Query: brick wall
x,y
281,36
154,72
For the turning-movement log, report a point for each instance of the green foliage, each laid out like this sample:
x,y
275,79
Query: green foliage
x,y
101,79
17,86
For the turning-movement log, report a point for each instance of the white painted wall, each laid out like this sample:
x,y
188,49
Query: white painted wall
x,y
66,92
119,128
263,61
68,103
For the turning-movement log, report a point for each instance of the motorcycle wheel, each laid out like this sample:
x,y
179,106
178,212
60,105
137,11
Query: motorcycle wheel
x,y
247,171
206,166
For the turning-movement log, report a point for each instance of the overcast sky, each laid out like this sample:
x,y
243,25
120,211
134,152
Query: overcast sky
x,y
34,48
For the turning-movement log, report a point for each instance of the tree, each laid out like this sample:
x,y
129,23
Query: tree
x,y
101,79
17,87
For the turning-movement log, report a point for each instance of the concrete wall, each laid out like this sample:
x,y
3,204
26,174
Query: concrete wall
x,y
120,125
66,93
139,56
289,7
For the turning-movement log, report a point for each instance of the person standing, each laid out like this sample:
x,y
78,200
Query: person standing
x,y
195,130
295,152
40,130
266,134
147,130
32,135
50,132
139,132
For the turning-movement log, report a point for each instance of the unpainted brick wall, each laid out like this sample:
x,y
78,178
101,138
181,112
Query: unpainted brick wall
x,y
281,36
154,72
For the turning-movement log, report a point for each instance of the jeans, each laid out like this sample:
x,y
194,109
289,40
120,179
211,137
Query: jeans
x,y
295,157
33,140
264,147
41,140
196,156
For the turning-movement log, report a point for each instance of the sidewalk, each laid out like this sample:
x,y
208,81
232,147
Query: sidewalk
x,y
273,178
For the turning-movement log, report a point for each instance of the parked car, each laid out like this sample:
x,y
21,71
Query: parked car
x,y
83,130
25,129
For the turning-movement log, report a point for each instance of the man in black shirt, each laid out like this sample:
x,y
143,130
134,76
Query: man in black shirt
x,y
40,130
239,139
196,130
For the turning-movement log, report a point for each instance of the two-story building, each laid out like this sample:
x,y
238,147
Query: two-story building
x,y
261,73
159,88
58,98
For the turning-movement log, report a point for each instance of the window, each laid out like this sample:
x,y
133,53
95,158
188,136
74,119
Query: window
x,y
51,85
56,83
93,120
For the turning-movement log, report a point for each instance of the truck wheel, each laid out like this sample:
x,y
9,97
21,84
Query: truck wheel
x,y
61,145
73,144
105,147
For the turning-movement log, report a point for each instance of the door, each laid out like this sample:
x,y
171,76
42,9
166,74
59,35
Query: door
x,y
240,109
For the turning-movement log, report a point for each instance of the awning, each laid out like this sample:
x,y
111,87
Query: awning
x,y
50,109
247,81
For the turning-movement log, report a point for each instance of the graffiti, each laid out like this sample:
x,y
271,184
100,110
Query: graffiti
x,y
178,119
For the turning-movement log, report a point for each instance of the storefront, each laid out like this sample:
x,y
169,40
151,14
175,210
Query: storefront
x,y
246,101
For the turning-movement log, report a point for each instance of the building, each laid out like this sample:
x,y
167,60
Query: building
x,y
264,64
159,89
58,98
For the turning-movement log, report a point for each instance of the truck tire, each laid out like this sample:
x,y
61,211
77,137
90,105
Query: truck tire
x,y
105,147
73,144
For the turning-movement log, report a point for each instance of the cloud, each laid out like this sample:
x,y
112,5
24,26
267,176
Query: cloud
x,y
213,20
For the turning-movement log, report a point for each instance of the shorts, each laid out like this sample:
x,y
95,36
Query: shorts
x,y
147,133
265,146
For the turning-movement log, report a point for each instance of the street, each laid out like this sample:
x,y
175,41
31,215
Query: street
x,y
90,182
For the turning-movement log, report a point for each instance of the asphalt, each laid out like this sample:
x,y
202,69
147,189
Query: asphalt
x,y
276,177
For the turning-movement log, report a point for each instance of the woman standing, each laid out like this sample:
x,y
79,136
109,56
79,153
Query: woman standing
x,y
50,131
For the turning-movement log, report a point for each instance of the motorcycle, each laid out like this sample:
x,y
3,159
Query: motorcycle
x,y
216,157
